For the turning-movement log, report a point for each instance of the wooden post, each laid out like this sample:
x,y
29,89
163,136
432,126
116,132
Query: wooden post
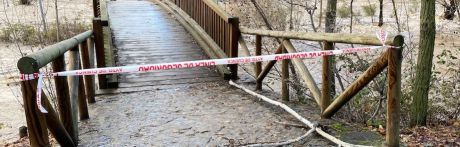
x,y
74,64
100,54
285,79
327,78
235,35
82,104
63,97
258,64
82,96
55,125
394,92
96,8
86,64
374,70
36,123
304,72
269,66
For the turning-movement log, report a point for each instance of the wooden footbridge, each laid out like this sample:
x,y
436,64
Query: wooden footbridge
x,y
136,32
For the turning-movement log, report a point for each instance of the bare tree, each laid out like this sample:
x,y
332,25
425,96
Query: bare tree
x,y
381,13
58,37
396,15
424,63
331,14
42,12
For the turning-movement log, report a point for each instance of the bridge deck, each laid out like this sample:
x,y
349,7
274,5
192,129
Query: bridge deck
x,y
155,37
185,107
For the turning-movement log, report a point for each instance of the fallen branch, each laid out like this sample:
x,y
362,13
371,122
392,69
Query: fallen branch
x,y
300,118
286,142
292,125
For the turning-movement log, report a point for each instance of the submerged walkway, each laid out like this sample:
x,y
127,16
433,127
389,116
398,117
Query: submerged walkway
x,y
184,107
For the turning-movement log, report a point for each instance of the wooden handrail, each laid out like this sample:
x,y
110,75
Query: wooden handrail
x,y
363,39
391,59
218,29
63,127
39,59
223,15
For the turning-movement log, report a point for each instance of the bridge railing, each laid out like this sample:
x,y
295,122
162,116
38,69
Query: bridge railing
x,y
72,93
391,59
221,29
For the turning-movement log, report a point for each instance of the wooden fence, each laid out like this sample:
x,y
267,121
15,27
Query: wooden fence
x,y
72,93
391,58
219,35
218,29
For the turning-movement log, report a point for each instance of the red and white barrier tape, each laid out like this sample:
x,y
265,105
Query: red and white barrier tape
x,y
190,64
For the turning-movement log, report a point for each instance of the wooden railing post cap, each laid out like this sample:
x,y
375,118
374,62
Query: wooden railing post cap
x,y
398,41
234,20
28,65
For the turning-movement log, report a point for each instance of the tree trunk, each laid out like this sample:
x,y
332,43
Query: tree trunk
x,y
291,25
331,13
381,13
40,2
351,16
58,37
424,63
396,16
320,13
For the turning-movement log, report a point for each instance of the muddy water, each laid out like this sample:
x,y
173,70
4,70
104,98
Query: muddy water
x,y
186,115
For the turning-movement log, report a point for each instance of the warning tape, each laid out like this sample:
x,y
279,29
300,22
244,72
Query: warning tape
x,y
382,35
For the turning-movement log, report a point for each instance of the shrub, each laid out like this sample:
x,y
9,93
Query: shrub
x,y
19,32
24,2
30,35
370,10
344,12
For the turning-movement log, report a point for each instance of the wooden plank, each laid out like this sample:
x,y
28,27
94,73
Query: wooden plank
x,y
213,53
379,65
151,86
330,37
394,92
304,72
164,78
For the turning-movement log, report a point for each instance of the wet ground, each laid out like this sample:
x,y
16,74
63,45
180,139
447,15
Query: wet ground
x,y
188,115
183,107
